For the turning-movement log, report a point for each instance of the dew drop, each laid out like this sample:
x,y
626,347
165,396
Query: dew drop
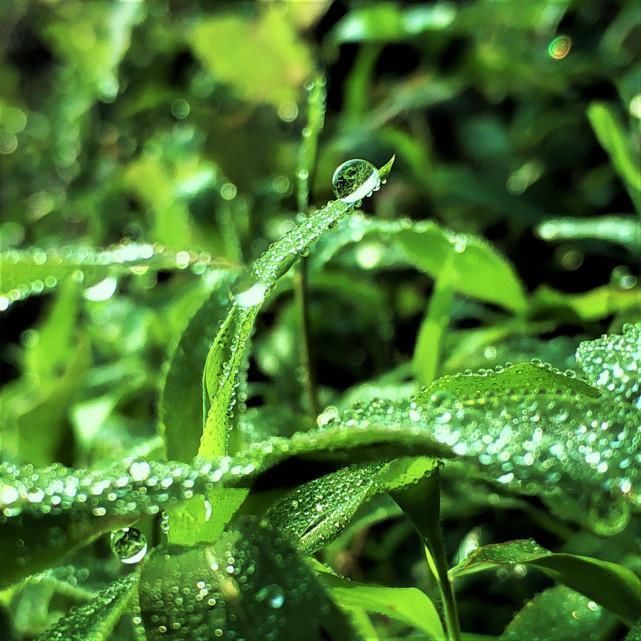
x,y
354,180
273,595
129,545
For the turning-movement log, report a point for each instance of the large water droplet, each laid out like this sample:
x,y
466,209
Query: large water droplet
x,y
354,180
129,545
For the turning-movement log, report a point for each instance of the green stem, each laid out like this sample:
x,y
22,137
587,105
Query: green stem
x,y
306,163
302,296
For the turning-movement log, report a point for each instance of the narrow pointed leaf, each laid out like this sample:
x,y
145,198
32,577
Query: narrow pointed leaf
x,y
613,586
95,620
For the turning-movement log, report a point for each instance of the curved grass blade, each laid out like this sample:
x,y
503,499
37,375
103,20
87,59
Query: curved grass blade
x,y
623,230
29,272
94,621
613,586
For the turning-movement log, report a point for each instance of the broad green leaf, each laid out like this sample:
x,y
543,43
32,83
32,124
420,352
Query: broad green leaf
x,y
29,272
557,614
95,620
477,269
613,586
616,141
180,404
407,605
613,363
265,59
595,304
251,584
623,230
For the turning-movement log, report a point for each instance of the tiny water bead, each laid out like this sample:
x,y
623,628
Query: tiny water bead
x,y
129,545
354,180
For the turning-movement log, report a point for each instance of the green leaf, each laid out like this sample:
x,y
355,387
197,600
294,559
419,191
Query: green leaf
x,y
407,605
635,633
616,141
180,403
316,512
266,61
592,305
611,363
477,270
623,230
34,271
613,586
557,614
251,583
95,620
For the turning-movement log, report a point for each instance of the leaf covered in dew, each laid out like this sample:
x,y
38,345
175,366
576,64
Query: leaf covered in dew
x,y
95,620
251,583
35,271
613,363
556,614
613,586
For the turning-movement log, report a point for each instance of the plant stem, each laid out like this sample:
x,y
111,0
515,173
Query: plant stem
x,y
306,163
302,297
437,563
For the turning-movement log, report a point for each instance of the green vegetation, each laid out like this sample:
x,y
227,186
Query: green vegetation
x,y
321,321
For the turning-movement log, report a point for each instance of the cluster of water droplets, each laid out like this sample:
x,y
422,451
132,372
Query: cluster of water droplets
x,y
251,584
34,271
613,363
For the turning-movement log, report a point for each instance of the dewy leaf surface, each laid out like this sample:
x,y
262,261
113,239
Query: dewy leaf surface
x,y
478,270
530,428
250,584
28,272
557,614
614,586
613,363
95,620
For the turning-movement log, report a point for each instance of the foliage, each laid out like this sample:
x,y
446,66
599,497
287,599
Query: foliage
x,y
234,406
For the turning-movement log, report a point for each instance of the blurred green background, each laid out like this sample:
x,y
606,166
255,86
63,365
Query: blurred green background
x,y
178,123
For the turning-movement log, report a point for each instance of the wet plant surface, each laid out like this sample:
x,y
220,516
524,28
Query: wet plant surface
x,y
321,321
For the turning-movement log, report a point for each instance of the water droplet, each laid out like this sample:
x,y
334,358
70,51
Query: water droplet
x,y
129,545
273,594
103,290
354,180
247,291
